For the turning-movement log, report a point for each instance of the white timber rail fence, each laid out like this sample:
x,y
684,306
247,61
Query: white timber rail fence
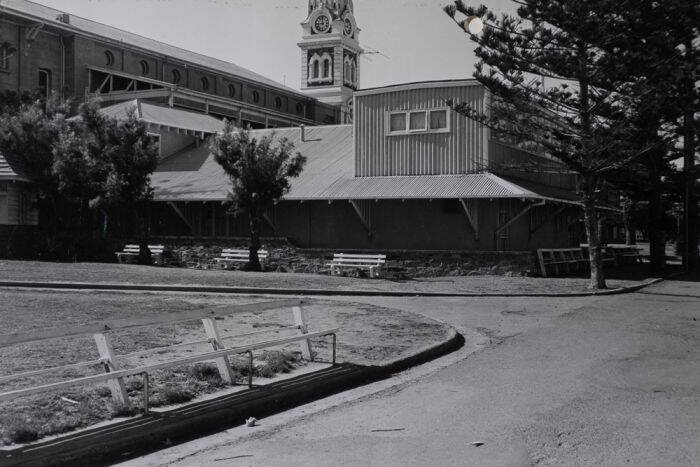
x,y
114,373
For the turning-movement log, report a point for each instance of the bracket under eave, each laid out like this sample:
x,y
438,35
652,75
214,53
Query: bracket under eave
x,y
470,211
363,219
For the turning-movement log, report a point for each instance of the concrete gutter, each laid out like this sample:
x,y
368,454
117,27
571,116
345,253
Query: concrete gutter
x,y
138,436
307,292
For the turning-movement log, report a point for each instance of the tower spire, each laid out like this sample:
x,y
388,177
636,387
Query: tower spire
x,y
330,53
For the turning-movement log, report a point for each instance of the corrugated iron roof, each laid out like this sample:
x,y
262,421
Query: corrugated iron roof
x,y
166,116
480,185
194,175
49,16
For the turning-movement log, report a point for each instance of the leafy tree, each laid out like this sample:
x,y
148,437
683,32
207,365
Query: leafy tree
x,y
259,170
28,135
103,165
577,117
79,167
10,101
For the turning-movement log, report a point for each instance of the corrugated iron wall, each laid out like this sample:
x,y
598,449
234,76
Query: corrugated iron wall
x,y
462,150
508,160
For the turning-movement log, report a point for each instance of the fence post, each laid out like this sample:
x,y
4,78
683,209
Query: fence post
x,y
222,363
107,356
300,321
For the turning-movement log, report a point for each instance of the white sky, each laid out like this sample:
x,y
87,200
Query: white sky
x,y
421,41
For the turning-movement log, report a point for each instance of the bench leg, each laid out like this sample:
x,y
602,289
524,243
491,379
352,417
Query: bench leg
x,y
543,266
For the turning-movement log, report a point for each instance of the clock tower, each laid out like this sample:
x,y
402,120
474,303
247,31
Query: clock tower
x,y
330,54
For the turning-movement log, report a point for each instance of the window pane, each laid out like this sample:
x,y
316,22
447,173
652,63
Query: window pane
x,y
438,119
417,120
398,122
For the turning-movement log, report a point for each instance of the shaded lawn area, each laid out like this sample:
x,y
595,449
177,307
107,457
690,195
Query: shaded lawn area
x,y
134,274
369,335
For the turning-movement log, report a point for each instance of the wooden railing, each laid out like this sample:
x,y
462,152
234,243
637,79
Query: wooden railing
x,y
114,375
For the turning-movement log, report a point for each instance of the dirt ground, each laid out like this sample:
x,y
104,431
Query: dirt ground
x,y
134,274
369,335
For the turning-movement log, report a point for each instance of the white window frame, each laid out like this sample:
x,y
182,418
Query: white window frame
x,y
321,59
349,71
426,129
448,121
389,131
425,121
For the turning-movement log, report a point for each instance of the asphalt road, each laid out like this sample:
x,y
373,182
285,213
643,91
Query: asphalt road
x,y
588,381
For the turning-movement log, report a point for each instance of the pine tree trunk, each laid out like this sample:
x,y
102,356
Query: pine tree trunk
x,y
597,280
627,209
145,256
690,236
253,259
657,242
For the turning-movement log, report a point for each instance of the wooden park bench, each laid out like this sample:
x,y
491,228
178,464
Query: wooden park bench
x,y
626,254
607,253
371,262
229,256
554,261
131,252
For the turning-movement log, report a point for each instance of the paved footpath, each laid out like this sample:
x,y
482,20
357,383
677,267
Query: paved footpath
x,y
586,381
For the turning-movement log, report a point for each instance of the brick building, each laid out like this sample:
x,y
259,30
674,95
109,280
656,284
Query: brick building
x,y
49,51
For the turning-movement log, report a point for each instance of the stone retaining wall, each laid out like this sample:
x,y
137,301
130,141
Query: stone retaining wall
x,y
286,258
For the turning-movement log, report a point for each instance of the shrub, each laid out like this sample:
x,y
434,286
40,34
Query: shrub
x,y
207,372
173,395
23,434
121,410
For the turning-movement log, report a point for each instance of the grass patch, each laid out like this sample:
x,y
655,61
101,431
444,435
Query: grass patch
x,y
33,417
172,395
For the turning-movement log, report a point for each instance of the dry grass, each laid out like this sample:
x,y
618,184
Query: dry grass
x,y
133,274
29,418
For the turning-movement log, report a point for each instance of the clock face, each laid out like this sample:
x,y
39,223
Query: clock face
x,y
347,28
322,23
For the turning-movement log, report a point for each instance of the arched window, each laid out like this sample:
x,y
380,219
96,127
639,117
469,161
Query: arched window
x,y
144,67
300,108
109,58
315,74
176,76
44,82
353,73
346,70
205,83
326,68
231,90
278,102
256,96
